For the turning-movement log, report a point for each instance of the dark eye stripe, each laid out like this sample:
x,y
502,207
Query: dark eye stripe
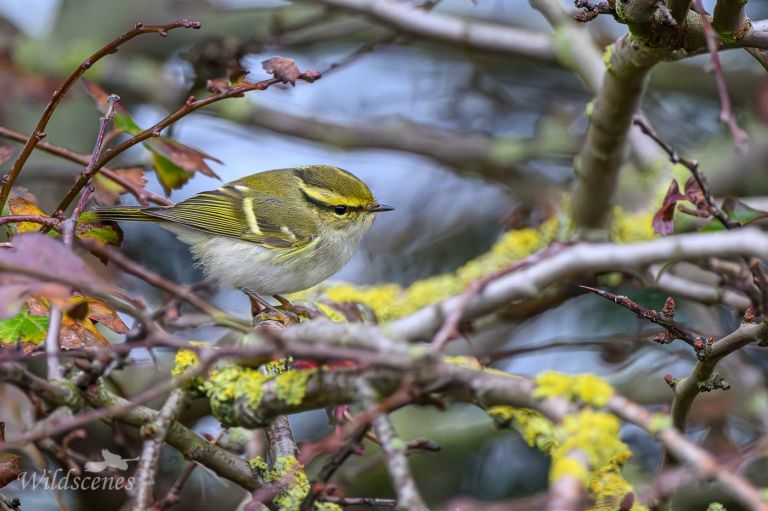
x,y
327,206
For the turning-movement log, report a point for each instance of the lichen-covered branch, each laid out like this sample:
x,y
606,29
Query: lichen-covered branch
x,y
696,459
579,259
191,445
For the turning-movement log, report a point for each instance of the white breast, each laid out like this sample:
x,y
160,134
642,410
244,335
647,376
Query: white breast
x,y
250,267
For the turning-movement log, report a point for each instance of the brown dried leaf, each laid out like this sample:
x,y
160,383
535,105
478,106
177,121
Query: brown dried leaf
x,y
10,464
283,69
107,192
78,328
99,312
188,158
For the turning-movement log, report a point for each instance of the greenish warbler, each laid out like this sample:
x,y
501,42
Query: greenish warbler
x,y
270,233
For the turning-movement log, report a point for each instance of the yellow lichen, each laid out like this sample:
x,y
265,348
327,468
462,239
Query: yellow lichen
x,y
586,388
563,467
288,474
327,506
291,386
185,359
228,384
468,362
275,367
631,228
390,301
534,428
330,312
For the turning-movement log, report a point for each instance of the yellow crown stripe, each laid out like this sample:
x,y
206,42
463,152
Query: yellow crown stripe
x,y
329,197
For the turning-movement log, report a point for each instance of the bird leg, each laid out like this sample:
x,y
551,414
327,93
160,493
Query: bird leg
x,y
286,304
287,316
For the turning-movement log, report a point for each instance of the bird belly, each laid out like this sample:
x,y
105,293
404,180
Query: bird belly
x,y
264,271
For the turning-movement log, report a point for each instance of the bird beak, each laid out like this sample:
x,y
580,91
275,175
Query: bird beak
x,y
375,208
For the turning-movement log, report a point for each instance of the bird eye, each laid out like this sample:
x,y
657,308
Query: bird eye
x,y
340,210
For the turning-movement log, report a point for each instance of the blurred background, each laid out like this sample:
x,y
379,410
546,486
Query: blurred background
x,y
464,144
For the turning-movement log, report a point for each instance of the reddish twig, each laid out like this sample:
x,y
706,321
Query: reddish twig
x,y
693,167
47,221
189,106
142,195
754,264
740,137
664,319
39,132
91,169
183,292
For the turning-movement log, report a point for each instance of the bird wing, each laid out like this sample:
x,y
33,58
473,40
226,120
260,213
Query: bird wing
x,y
246,215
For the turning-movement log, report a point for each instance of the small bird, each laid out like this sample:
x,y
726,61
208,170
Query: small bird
x,y
270,233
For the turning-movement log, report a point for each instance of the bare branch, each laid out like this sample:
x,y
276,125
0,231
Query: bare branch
x,y
729,17
690,387
475,34
149,462
408,496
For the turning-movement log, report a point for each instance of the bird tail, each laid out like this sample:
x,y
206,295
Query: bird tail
x,y
133,213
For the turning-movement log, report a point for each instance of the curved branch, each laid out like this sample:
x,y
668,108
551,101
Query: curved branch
x,y
579,259
687,389
474,34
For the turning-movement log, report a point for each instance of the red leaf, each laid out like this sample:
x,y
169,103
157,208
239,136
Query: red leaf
x,y
107,191
663,223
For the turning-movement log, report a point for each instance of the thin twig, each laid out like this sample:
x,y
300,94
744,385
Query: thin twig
x,y
408,496
183,292
664,319
150,454
740,137
142,195
173,495
39,132
189,106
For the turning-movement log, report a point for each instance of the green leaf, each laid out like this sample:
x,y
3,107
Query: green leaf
x,y
171,176
88,226
23,327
